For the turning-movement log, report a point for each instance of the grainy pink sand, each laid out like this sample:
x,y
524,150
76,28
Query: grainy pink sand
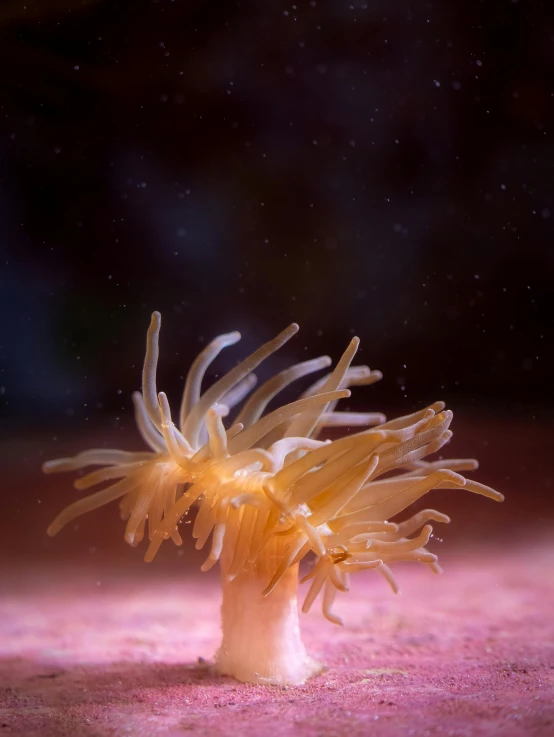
x,y
97,652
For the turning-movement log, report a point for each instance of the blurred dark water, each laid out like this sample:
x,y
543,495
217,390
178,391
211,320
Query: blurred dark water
x,y
383,168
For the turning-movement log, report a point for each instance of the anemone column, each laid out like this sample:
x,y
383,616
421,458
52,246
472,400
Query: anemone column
x,y
261,634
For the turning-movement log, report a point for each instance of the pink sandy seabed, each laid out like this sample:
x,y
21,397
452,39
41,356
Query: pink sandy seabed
x,y
96,652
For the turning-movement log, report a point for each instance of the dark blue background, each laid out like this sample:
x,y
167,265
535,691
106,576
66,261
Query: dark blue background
x,y
384,168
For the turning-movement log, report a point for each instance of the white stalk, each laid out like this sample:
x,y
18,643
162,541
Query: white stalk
x,y
261,634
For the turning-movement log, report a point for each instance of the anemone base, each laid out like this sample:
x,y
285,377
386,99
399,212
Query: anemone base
x,y
261,634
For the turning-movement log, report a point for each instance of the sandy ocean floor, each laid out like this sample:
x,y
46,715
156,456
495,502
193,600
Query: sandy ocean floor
x,y
95,643
101,651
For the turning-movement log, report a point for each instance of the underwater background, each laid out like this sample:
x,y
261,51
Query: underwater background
x,y
383,169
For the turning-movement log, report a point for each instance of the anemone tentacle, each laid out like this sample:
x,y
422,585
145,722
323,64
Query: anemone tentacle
x,y
268,480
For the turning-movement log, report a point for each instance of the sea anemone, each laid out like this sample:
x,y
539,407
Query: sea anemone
x,y
269,493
